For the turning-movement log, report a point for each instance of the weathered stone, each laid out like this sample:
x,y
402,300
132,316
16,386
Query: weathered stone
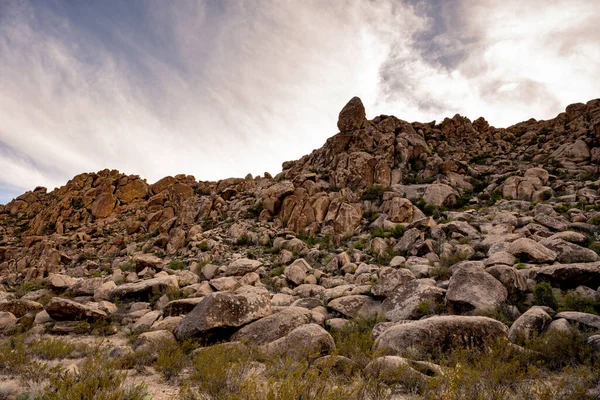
x,y
220,311
352,115
145,289
398,370
103,206
390,279
59,282
568,275
514,282
585,319
303,341
531,250
407,302
181,306
356,306
136,189
68,310
273,327
8,322
20,307
471,288
441,333
241,266
528,325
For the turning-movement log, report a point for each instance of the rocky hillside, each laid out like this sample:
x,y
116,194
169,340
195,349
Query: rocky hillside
x,y
418,226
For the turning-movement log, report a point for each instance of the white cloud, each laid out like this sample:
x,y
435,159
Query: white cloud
x,y
218,93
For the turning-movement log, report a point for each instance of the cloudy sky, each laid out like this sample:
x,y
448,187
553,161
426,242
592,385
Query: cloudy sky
x,y
220,88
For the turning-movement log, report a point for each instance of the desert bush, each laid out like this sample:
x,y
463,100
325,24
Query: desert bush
x,y
176,264
354,340
543,295
170,360
575,301
53,348
97,378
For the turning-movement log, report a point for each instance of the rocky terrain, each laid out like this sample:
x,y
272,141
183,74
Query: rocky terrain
x,y
367,264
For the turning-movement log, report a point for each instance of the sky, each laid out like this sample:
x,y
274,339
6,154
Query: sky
x,y
223,88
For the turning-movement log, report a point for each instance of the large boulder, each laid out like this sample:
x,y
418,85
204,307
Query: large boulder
x,y
531,323
531,250
103,206
471,289
61,309
218,312
514,282
355,306
352,115
136,189
589,321
412,300
144,290
441,333
440,195
569,253
568,275
20,307
241,266
273,327
7,322
394,370
390,279
304,341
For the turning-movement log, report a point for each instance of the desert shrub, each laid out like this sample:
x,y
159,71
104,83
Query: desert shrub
x,y
127,266
595,246
354,340
562,349
176,264
480,159
277,271
254,211
13,356
440,273
53,348
203,246
575,301
25,287
373,193
170,360
396,232
244,240
97,378
543,295
216,372
454,258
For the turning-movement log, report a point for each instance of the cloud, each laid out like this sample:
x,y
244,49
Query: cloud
x,y
223,88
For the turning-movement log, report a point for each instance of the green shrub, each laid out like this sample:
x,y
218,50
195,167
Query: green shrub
x,y
480,159
543,295
170,360
575,301
440,273
127,266
277,271
244,240
373,193
354,340
203,246
254,211
97,378
50,349
176,265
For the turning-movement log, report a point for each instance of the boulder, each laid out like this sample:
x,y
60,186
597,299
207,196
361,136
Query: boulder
x,y
61,309
241,266
568,275
531,250
219,312
570,253
352,115
412,300
20,307
7,322
528,325
145,289
136,189
440,195
273,327
59,282
302,342
356,306
181,306
390,279
103,206
472,289
296,272
584,319
514,282
441,333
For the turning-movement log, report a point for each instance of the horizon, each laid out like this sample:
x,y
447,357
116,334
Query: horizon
x,y
221,89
